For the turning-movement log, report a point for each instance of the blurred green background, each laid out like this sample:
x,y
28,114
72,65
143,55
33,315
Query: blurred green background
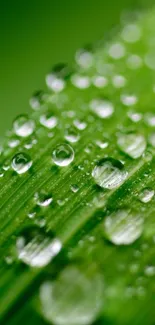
x,y
34,35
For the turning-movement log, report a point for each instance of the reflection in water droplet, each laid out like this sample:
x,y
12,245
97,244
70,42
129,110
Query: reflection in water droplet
x,y
132,144
21,163
63,155
146,195
23,126
48,120
80,296
123,227
109,173
102,108
36,249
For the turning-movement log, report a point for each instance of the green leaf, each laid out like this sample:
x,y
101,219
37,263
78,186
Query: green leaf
x,y
77,190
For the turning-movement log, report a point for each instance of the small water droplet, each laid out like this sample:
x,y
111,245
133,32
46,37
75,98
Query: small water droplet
x,y
109,173
123,227
36,100
23,126
119,81
48,120
84,58
131,33
132,144
13,143
99,81
150,119
102,144
74,188
134,62
43,199
80,124
56,80
117,51
102,108
63,155
129,100
21,163
72,135
134,116
80,294
80,81
146,195
36,249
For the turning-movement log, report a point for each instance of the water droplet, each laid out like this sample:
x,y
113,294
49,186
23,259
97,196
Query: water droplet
x,y
102,108
123,227
99,81
21,163
131,33
80,124
146,195
152,139
132,144
102,144
80,295
36,249
129,100
43,199
149,270
80,81
150,119
134,62
74,188
48,120
109,173
117,51
72,135
119,81
23,126
36,100
84,58
134,116
63,155
56,80
13,143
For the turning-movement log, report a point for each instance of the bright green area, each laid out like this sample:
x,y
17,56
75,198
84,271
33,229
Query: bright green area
x,y
35,35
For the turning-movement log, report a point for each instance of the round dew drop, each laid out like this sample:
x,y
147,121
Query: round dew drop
x,y
102,108
63,155
109,173
23,126
123,227
132,144
43,199
36,249
146,195
74,298
48,120
21,163
71,135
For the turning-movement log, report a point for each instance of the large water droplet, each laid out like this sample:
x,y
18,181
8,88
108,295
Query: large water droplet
x,y
132,144
21,163
109,173
74,298
102,108
123,227
146,195
63,155
23,126
37,249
